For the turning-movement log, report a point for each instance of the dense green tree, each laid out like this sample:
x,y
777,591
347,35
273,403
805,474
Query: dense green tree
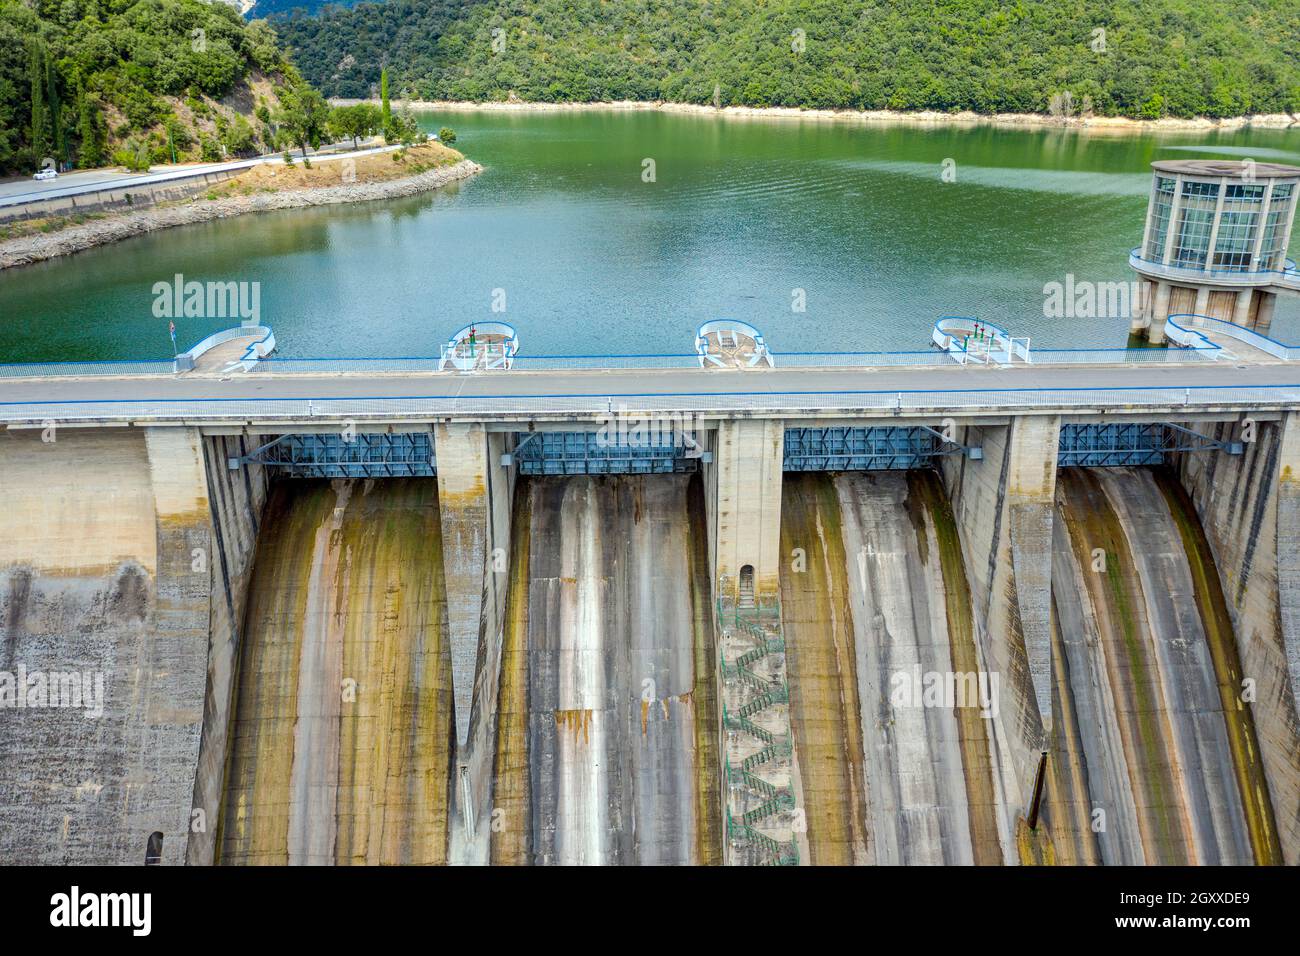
x,y
90,131
41,137
356,121
303,116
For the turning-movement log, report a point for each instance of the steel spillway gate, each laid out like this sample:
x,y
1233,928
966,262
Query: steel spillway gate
x,y
616,452
867,448
340,455
1121,444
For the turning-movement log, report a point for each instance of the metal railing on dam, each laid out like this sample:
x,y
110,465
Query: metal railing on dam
x,y
723,404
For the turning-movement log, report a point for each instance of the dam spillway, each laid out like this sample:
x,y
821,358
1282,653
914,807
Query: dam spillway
x,y
342,736
1156,761
728,661
883,600
607,734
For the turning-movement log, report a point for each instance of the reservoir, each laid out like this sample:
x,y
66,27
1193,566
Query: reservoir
x,y
620,232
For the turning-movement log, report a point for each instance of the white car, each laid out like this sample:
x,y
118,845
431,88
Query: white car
x,y
47,174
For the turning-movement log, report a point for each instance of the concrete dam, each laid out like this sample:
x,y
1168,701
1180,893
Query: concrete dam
x,y
980,638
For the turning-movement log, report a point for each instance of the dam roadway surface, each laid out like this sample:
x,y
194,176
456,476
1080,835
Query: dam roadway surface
x,y
792,388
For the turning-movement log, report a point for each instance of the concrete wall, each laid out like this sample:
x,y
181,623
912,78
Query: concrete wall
x,y
98,539
1003,506
1249,506
744,484
139,196
237,498
470,826
462,454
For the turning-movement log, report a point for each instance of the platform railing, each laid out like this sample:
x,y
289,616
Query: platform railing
x,y
1288,275
855,403
1191,322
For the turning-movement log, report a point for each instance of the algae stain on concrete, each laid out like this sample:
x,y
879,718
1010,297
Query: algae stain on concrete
x,y
1240,721
511,797
1116,597
367,556
824,711
933,509
610,640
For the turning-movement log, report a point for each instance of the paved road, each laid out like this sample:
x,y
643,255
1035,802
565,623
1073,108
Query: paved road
x,y
21,192
264,392
628,382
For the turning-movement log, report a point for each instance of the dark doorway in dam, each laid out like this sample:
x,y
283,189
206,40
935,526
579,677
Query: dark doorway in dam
x,y
153,849
631,449
747,586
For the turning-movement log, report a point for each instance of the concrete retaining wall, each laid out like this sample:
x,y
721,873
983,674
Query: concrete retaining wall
x,y
97,574
1003,505
1249,506
237,499
139,196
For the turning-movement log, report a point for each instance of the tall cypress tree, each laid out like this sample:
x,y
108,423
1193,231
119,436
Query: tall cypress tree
x,y
40,136
385,107
90,129
57,136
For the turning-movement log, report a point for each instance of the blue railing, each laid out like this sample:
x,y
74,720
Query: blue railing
x,y
1287,275
1279,350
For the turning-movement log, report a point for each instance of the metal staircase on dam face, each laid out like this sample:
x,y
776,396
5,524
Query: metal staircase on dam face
x,y
757,747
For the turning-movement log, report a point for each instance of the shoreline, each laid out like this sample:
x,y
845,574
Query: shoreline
x,y
918,118
114,227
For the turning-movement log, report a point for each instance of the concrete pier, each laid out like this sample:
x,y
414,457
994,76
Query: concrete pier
x,y
744,487
463,502
1003,506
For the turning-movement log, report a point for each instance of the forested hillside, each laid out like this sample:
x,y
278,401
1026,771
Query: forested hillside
x,y
93,82
1146,58
341,51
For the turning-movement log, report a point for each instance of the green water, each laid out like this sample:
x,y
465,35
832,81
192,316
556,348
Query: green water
x,y
592,259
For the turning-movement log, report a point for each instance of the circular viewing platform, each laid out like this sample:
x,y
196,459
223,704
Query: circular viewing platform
x,y
481,345
727,343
